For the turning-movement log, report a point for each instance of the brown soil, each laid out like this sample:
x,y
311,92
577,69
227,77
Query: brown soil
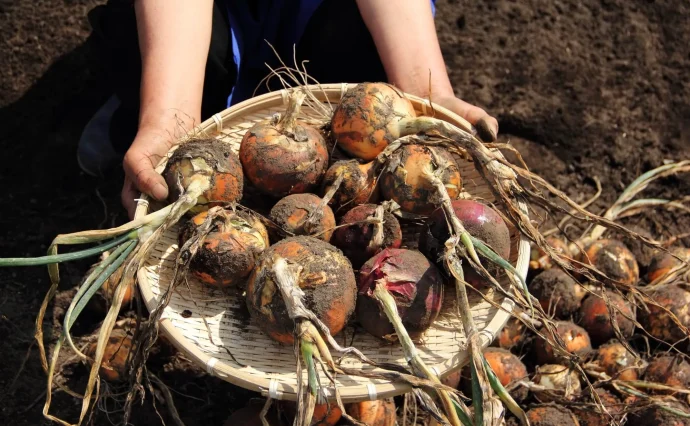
x,y
584,89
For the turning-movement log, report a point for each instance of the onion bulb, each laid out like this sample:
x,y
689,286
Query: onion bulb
x,y
303,214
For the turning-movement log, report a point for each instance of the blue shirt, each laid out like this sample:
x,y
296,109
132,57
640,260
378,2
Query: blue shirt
x,y
281,23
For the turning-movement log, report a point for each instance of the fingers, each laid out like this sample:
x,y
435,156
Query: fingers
x,y
486,125
128,196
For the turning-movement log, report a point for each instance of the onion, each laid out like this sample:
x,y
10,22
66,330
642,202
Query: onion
x,y
229,251
541,260
618,362
212,158
574,337
481,221
557,379
596,318
512,335
303,214
551,415
367,119
662,263
325,276
415,284
404,180
614,259
357,184
360,241
557,292
653,415
380,412
658,322
508,369
591,416
669,370
286,156
114,366
326,414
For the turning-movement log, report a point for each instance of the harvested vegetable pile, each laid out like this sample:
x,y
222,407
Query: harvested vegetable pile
x,y
301,289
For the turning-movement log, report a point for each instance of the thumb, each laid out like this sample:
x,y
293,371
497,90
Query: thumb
x,y
140,169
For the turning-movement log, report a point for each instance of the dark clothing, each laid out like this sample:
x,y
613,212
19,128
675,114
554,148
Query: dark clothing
x,y
335,42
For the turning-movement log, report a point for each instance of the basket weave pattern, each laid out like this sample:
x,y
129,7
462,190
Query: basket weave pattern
x,y
213,327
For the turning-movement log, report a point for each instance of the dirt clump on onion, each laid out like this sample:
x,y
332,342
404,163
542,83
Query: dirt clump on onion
x,y
302,214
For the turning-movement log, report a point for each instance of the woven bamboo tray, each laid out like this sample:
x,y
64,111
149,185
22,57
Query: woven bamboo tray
x,y
213,327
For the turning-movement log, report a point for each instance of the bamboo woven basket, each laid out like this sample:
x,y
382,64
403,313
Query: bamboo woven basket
x,y
214,330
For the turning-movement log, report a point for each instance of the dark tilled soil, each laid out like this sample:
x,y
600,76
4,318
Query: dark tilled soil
x,y
584,89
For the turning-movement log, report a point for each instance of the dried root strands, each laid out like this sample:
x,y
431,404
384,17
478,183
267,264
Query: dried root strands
x,y
540,260
404,178
558,293
229,252
284,156
303,214
366,230
413,282
352,184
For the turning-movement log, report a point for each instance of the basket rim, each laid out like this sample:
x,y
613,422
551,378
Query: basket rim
x,y
271,387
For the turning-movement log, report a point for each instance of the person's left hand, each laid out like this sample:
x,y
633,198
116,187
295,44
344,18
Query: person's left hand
x,y
486,125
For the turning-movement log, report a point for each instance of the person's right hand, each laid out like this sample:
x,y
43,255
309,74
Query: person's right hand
x,y
140,161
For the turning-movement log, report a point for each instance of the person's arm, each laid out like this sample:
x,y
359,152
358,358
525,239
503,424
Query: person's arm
x,y
406,40
174,39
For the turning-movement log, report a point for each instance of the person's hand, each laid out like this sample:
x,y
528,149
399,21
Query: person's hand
x,y
140,161
486,125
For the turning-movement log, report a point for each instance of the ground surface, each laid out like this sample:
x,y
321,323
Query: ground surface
x,y
582,88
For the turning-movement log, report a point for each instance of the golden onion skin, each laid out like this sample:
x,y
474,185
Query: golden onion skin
x,y
366,120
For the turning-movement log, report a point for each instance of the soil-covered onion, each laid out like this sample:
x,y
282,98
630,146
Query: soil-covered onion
x,y
213,158
482,222
508,369
614,259
415,284
557,292
358,184
590,416
618,362
292,214
324,414
326,277
658,322
669,370
114,364
595,317
380,412
405,182
229,252
360,241
551,415
559,382
540,260
367,119
574,337
284,157
662,263
654,415
512,335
